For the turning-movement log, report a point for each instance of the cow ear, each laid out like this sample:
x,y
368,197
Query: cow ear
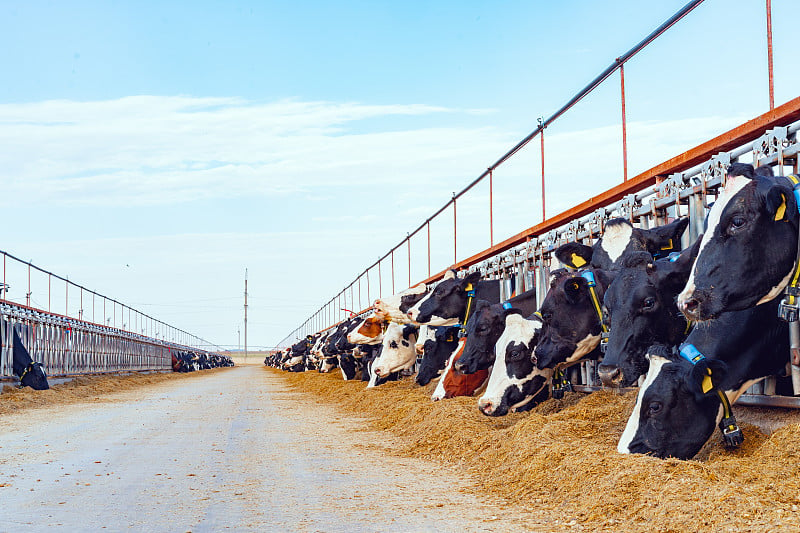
x,y
450,274
662,240
705,376
574,254
471,278
573,288
777,203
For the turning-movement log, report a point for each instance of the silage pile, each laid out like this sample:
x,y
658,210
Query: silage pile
x,y
91,388
562,457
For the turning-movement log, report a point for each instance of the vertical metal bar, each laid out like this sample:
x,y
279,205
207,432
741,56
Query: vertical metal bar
x,y
429,247
624,124
544,215
491,214
455,232
393,290
66,298
408,240
359,293
368,298
380,282
28,295
769,56
49,278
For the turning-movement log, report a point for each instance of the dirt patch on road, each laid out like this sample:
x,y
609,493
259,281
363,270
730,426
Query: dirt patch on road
x,y
562,457
95,388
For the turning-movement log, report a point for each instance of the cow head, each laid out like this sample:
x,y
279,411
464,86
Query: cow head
x,y
34,377
640,310
747,255
396,306
398,349
515,383
483,328
619,238
673,417
367,331
572,326
436,351
445,305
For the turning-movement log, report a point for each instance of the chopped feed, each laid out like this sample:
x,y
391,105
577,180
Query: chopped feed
x,y
562,457
89,388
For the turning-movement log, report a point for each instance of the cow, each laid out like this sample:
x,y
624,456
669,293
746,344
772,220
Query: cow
x,y
447,303
678,404
515,384
748,254
367,331
484,327
436,353
396,306
640,310
571,317
398,350
31,374
620,237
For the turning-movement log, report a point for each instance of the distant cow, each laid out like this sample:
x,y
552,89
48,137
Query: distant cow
x,y
31,374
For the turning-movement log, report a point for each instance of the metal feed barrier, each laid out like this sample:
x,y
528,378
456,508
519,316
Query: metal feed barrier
x,y
68,344
681,186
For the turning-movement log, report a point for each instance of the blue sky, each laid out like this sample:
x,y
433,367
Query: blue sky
x,y
154,150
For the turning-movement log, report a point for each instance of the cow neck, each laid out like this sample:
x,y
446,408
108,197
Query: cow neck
x,y
588,275
789,306
730,430
25,373
470,290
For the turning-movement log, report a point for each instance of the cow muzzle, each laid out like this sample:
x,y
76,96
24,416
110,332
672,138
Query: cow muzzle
x,y
610,375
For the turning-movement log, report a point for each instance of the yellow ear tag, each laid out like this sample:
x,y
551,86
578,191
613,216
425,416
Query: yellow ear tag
x,y
469,287
577,261
707,385
669,246
779,214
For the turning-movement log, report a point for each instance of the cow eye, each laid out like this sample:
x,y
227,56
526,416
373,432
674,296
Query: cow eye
x,y
654,408
649,303
516,355
737,222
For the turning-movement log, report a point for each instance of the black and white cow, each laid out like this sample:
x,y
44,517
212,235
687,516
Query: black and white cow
x,y
621,237
675,414
436,352
640,311
484,327
398,351
748,253
571,323
446,304
31,374
515,383
396,306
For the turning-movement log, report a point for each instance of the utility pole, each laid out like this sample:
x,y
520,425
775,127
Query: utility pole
x,y
239,331
245,315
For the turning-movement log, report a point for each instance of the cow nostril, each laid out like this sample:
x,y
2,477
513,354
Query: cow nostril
x,y
610,375
690,306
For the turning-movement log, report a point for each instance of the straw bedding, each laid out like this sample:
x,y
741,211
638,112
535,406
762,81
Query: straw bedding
x,y
561,457
90,388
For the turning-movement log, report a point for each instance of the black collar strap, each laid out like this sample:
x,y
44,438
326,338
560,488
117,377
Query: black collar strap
x,y
731,433
25,372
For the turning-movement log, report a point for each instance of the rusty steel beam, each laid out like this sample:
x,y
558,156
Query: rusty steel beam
x,y
781,115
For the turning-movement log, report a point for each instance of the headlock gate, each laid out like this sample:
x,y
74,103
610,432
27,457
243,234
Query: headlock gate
x,y
67,345
684,185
